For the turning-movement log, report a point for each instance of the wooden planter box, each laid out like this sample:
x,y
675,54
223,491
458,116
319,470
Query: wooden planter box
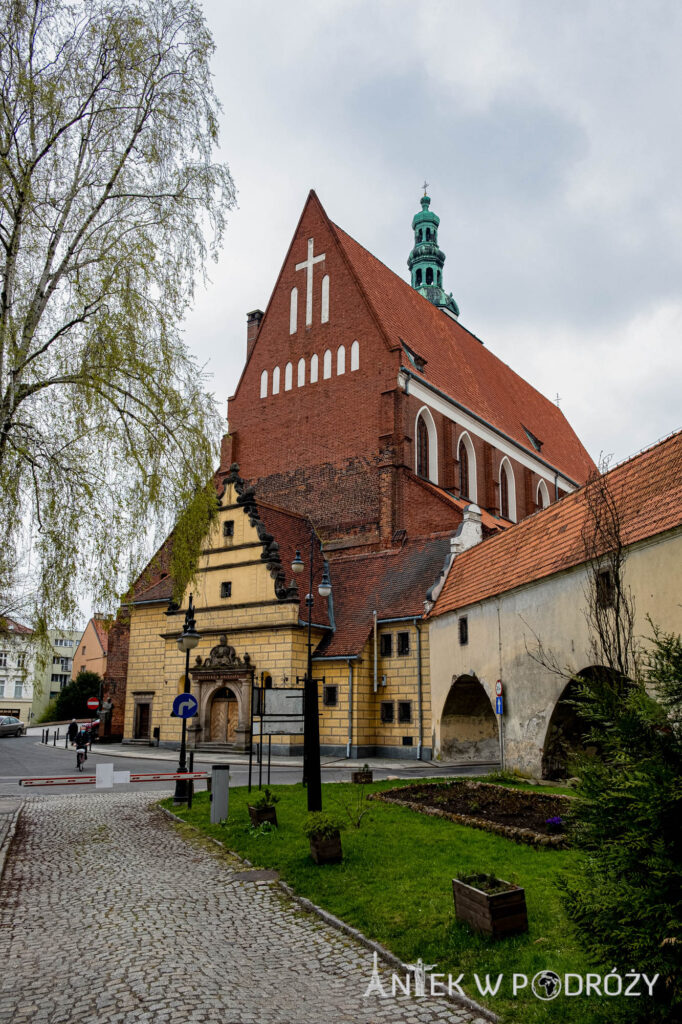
x,y
260,814
326,850
362,777
499,914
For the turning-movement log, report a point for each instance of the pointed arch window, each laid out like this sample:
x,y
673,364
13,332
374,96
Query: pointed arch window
x,y
288,377
325,299
355,356
293,311
301,372
314,369
264,384
422,449
327,365
542,495
507,491
275,381
467,468
341,360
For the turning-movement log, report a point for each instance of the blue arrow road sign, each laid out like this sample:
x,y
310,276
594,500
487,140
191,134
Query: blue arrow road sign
x,y
498,705
185,706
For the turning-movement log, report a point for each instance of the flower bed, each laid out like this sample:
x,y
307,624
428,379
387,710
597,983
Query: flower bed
x,y
525,817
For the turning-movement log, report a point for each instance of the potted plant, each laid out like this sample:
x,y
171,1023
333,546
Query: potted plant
x,y
364,775
490,904
263,808
324,833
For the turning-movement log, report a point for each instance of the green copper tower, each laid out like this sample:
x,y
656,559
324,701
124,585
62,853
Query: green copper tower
x,y
426,259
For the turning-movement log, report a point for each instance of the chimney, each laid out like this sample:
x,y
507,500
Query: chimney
x,y
253,320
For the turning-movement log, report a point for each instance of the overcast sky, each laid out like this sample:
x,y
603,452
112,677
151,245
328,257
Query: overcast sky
x,y
550,135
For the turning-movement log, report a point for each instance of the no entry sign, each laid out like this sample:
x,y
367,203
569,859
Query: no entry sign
x,y
93,703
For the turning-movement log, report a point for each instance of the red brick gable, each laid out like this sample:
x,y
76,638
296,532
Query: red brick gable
x,y
460,366
648,494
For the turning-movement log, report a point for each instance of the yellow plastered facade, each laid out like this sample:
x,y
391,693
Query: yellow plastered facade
x,y
256,623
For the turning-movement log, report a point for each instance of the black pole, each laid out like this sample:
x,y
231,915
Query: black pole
x,y
181,794
311,738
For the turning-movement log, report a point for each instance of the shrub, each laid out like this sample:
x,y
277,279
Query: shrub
x,y
265,799
319,825
627,901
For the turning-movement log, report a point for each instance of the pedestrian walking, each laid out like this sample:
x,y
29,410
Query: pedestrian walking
x,y
72,731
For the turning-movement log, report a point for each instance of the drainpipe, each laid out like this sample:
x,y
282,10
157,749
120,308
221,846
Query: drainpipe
x,y
376,681
420,710
350,708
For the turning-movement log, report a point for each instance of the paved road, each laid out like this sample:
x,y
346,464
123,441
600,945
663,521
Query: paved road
x,y
26,756
112,917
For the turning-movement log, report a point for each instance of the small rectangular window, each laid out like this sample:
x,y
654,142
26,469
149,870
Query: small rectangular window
x,y
3,659
330,696
228,528
404,710
18,689
407,741
606,590
226,589
387,711
386,643
403,643
463,630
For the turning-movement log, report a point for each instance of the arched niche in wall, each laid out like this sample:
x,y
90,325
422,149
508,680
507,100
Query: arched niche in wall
x,y
426,446
466,455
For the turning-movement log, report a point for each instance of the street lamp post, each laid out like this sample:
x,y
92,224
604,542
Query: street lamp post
x,y
187,641
311,720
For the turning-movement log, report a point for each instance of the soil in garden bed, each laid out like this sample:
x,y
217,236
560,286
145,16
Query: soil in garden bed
x,y
493,803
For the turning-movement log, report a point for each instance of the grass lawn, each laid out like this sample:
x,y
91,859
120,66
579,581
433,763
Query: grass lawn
x,y
395,885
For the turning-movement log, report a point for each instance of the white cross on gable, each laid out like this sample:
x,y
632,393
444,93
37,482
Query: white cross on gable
x,y
308,265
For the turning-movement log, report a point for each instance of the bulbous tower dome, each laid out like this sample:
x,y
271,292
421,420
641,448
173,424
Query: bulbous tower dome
x,y
426,259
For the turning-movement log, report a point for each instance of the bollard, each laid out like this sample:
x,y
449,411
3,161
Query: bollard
x,y
220,792
54,737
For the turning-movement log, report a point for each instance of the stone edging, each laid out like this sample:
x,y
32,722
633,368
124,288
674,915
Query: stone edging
x,y
335,922
518,835
4,848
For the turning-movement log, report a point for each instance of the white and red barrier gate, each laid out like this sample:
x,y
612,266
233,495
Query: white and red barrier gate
x,y
90,780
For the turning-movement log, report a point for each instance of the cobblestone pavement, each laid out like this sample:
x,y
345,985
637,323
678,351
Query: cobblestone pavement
x,y
111,916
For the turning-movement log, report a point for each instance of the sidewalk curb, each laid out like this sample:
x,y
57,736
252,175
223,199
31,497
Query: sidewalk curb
x,y
335,922
5,847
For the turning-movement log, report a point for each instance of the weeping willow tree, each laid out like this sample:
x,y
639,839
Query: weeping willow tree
x,y
111,204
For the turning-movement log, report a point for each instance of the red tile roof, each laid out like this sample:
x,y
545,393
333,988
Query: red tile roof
x,y
100,627
292,533
647,491
459,365
8,625
393,582
490,523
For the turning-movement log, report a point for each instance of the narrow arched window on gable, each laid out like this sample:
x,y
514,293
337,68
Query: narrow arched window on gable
x,y
422,449
313,369
275,381
293,311
324,318
264,384
301,372
327,365
355,356
504,493
340,360
288,377
463,471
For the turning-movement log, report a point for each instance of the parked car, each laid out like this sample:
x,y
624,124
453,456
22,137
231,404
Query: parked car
x,y
11,726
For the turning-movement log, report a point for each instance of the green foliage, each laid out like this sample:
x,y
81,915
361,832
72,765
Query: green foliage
x,y
50,712
319,825
110,206
71,702
188,537
627,903
266,798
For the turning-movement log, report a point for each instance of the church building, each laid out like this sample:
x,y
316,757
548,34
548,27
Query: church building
x,y
374,433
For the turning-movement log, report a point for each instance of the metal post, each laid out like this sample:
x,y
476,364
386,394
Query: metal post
x,y
311,736
181,794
